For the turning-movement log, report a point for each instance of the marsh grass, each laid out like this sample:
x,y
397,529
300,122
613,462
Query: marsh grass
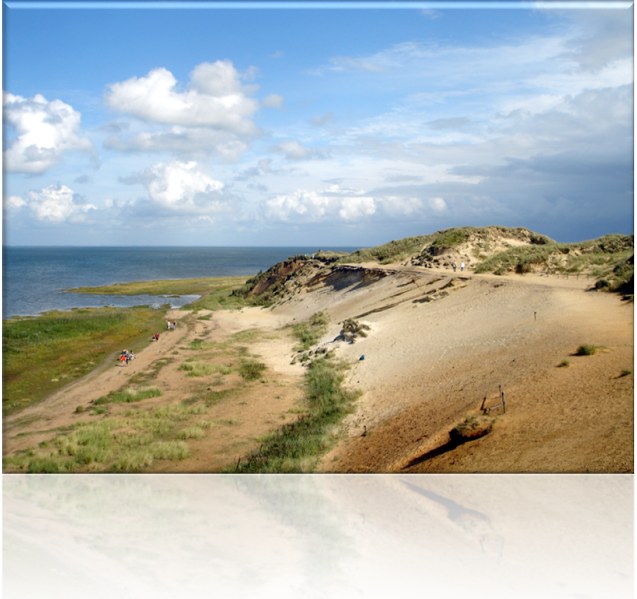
x,y
42,354
165,287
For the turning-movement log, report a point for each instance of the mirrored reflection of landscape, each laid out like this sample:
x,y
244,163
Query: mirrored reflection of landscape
x,y
317,536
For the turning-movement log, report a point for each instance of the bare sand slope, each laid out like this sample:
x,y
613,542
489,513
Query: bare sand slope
x,y
428,365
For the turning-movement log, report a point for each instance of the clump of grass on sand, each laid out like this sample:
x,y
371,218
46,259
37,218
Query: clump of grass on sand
x,y
251,370
201,368
129,395
352,329
308,333
586,350
564,364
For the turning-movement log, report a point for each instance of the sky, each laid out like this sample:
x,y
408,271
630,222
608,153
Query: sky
x,y
311,124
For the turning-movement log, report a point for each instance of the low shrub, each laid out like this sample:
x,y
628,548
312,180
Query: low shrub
x,y
586,350
251,371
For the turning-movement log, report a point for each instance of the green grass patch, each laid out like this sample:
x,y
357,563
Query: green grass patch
x,y
201,368
564,364
42,354
607,258
251,370
130,443
165,287
129,395
308,333
191,432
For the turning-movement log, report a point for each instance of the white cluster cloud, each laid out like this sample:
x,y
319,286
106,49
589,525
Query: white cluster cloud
x,y
55,203
214,98
182,188
346,204
46,132
306,206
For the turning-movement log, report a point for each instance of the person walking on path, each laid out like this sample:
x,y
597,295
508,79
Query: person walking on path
x,y
174,325
454,266
461,266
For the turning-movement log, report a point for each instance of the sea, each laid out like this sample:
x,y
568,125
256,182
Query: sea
x,y
35,279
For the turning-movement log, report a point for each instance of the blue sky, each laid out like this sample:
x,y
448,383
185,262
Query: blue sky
x,y
313,125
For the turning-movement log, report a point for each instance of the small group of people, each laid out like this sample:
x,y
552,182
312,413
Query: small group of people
x,y
456,266
126,356
174,326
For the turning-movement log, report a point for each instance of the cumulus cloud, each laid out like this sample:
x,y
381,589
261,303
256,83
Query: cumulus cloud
x,y
307,206
55,203
46,132
215,98
183,188
273,101
293,150
14,202
437,204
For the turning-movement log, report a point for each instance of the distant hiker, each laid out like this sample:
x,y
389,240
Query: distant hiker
x,y
168,325
454,266
123,359
461,266
175,325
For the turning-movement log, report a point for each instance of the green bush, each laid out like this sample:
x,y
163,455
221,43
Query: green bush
x,y
586,350
251,371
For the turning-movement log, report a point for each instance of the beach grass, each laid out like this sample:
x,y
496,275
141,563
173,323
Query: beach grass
x,y
128,442
42,354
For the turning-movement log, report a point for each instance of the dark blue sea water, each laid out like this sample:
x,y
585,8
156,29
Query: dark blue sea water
x,y
34,278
